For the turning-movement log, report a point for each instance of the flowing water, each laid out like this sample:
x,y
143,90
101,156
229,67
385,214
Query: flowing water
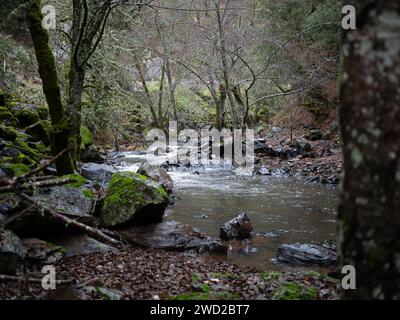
x,y
282,210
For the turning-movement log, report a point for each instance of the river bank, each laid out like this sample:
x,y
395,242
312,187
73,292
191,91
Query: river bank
x,y
136,273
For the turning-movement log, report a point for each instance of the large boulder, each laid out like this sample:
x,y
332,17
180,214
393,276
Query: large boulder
x,y
100,173
172,235
72,201
133,198
238,228
308,254
91,154
12,252
40,131
158,174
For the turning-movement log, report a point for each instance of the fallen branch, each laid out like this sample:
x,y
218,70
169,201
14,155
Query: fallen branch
x,y
59,216
4,277
38,184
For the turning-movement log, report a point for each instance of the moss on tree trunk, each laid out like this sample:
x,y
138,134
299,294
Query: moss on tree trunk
x,y
51,88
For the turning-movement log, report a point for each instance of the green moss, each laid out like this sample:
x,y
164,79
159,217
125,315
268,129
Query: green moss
x,y
8,133
86,137
88,193
27,117
40,131
7,117
295,291
127,193
18,169
43,112
22,146
79,181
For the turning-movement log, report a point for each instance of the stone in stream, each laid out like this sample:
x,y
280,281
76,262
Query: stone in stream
x,y
238,228
172,235
133,198
12,252
157,174
100,173
308,254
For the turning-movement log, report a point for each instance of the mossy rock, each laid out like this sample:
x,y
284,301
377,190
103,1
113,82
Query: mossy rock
x,y
8,133
6,117
4,97
27,117
134,199
43,112
40,131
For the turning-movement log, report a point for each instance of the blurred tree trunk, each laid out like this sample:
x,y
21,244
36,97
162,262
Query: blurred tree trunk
x,y
369,213
51,88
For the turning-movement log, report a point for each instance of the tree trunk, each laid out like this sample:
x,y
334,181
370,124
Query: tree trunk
x,y
76,83
369,214
220,108
51,88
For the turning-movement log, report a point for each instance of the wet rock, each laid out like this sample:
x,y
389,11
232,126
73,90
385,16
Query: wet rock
x,y
238,228
12,252
314,135
273,234
133,198
157,174
100,173
308,254
92,154
82,244
42,252
264,171
172,235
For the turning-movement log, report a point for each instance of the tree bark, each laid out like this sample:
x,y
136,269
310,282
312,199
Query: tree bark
x,y
51,88
369,214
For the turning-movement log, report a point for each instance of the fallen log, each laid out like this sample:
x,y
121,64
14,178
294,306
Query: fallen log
x,y
69,221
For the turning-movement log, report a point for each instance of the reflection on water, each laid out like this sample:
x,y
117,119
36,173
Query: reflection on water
x,y
282,210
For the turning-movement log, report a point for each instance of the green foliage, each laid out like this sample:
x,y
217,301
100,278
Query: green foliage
x,y
27,117
295,291
270,275
77,179
86,137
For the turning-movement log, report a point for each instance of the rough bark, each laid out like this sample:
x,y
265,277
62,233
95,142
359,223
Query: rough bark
x,y
369,213
51,88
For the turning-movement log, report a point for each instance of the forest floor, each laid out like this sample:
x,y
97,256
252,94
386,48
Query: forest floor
x,y
136,273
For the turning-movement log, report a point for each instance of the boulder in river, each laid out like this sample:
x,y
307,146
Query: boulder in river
x,y
158,174
100,173
172,235
238,228
133,198
308,254
12,252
